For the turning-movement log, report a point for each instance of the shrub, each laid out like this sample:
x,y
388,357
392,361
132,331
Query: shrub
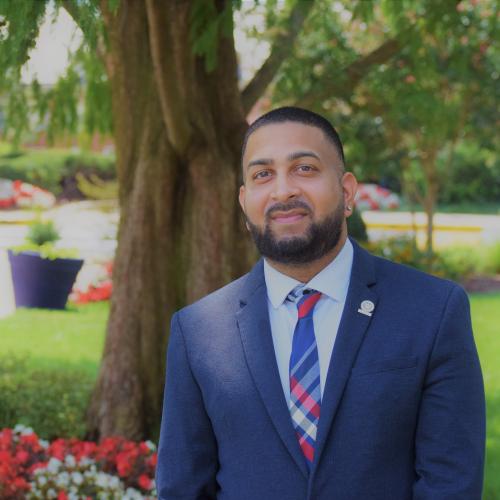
x,y
401,249
459,263
454,263
54,169
492,259
33,468
42,232
52,400
356,227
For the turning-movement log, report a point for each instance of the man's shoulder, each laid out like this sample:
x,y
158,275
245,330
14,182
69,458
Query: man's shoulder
x,y
398,277
223,300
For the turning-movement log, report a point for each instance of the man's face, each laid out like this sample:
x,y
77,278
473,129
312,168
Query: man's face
x,y
294,192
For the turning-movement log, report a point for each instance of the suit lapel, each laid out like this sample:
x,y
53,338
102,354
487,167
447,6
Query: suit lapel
x,y
352,329
255,331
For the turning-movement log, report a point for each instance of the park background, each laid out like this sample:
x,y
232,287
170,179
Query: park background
x,y
137,135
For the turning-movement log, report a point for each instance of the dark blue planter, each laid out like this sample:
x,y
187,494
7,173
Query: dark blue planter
x,y
42,283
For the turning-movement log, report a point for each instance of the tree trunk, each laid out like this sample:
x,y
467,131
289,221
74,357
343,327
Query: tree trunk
x,y
430,198
176,190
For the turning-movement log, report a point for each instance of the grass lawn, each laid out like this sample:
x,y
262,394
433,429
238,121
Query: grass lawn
x,y
486,321
75,338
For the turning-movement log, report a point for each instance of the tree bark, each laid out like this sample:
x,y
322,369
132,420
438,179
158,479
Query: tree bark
x,y
181,233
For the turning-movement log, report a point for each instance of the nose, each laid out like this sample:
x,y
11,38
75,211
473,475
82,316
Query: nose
x,y
284,188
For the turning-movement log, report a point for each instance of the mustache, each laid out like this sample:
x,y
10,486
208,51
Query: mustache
x,y
284,207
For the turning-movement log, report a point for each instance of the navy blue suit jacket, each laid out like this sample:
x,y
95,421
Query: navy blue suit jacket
x,y
402,415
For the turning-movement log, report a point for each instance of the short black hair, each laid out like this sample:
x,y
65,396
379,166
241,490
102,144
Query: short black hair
x,y
299,115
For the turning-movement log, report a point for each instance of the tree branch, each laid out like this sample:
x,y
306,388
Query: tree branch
x,y
76,13
279,52
331,85
165,63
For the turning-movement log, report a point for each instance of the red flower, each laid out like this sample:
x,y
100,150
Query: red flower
x,y
21,484
145,482
62,496
22,456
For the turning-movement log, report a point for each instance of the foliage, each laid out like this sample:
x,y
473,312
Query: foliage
x,y
96,188
402,249
356,227
47,251
491,263
54,400
207,25
70,469
51,169
474,176
41,239
41,232
406,119
455,263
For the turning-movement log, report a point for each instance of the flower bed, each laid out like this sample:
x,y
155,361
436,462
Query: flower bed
x,y
69,469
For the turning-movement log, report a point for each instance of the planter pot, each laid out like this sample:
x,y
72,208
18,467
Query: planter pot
x,y
40,282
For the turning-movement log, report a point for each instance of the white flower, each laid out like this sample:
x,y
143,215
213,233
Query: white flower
x,y
132,494
62,480
51,493
43,443
53,465
41,480
102,480
150,445
70,461
76,478
85,461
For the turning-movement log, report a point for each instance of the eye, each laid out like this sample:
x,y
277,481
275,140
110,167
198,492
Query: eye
x,y
261,174
305,168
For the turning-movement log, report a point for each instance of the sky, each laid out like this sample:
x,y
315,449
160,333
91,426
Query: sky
x,y
49,59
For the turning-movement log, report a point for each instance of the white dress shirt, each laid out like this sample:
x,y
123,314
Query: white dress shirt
x,y
332,282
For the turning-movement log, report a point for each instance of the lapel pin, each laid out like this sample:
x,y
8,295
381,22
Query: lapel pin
x,y
366,307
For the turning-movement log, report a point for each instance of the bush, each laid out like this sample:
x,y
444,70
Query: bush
x,y
54,401
492,259
32,468
54,169
459,263
356,227
454,263
401,249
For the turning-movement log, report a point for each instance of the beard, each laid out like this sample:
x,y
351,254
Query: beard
x,y
320,238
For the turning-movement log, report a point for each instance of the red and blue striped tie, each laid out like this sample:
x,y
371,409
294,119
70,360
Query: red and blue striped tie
x,y
305,392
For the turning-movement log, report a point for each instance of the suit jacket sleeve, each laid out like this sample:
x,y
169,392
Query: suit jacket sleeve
x,y
450,435
187,452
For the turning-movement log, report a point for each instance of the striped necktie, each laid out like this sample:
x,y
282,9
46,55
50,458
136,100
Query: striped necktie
x,y
305,392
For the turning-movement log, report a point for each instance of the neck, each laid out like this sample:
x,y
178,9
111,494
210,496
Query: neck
x,y
305,272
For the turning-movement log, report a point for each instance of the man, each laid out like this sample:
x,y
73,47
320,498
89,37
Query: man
x,y
325,373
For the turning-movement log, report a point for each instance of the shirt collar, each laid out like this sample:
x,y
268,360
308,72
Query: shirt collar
x,y
331,281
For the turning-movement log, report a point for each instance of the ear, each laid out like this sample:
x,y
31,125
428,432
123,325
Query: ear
x,y
241,197
349,188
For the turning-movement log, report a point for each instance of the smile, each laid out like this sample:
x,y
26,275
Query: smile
x,y
288,217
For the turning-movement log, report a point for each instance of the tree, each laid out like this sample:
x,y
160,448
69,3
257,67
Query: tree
x,y
411,113
178,121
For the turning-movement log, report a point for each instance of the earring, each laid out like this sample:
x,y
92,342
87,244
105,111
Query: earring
x,y
348,207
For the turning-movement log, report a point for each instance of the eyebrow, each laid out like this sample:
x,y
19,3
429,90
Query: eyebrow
x,y
291,157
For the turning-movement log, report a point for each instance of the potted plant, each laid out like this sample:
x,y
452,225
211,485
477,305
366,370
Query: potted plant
x,y
42,274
